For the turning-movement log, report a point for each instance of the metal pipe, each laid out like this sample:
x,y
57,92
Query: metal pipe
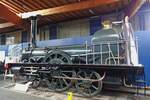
x,y
131,86
101,50
109,50
33,31
93,46
86,45
118,52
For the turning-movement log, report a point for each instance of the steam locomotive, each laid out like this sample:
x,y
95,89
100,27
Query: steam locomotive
x,y
106,59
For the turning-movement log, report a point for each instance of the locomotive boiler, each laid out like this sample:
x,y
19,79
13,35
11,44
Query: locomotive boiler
x,y
106,59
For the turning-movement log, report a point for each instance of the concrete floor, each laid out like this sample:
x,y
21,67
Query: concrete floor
x,y
42,94
9,95
6,94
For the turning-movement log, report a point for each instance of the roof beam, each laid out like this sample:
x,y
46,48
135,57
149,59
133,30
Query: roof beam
x,y
4,25
9,29
9,15
10,5
134,6
69,8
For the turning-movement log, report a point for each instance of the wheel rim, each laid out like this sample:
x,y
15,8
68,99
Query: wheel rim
x,y
58,57
59,84
88,88
35,83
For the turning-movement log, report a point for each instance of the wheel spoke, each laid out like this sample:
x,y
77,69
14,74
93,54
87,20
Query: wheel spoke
x,y
51,85
80,76
58,57
80,83
35,83
88,88
94,87
85,74
48,59
62,58
60,83
64,75
55,56
91,75
89,91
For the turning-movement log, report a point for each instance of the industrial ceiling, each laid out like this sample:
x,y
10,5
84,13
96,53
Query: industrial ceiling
x,y
17,11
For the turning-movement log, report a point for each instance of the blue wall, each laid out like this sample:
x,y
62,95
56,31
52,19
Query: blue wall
x,y
144,52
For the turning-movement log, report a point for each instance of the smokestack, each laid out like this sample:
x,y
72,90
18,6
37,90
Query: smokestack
x,y
33,31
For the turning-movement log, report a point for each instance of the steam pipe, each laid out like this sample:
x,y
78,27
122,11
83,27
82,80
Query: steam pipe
x,y
131,86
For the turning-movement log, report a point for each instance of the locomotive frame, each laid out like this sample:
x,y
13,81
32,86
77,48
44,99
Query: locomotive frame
x,y
50,74
88,68
88,77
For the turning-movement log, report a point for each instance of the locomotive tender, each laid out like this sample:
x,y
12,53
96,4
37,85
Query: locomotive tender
x,y
106,59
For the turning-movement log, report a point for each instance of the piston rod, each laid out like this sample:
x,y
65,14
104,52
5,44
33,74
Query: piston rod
x,y
83,79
